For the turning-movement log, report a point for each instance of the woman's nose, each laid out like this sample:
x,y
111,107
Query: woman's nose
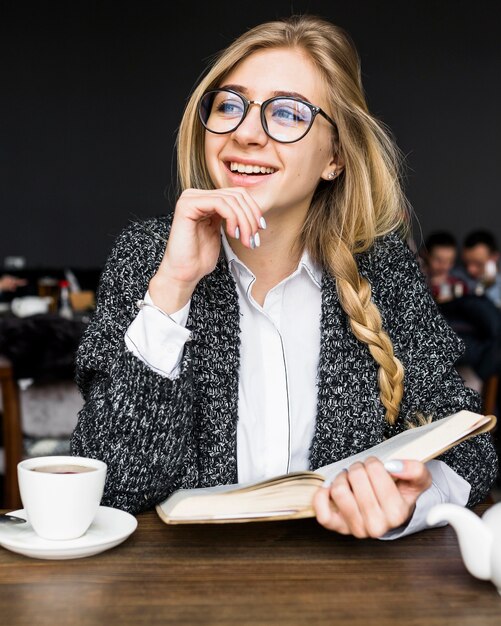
x,y
251,129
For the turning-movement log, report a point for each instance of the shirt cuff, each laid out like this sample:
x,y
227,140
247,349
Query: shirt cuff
x,y
157,338
447,486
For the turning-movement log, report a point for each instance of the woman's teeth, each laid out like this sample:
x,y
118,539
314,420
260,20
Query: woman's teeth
x,y
242,168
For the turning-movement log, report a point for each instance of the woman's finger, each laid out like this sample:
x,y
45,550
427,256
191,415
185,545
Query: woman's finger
x,y
198,204
395,510
242,208
344,500
412,477
257,210
373,519
326,512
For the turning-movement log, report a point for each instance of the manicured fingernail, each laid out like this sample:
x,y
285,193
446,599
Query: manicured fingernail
x,y
394,467
252,242
262,222
257,240
237,233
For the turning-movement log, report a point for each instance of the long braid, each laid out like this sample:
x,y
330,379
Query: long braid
x,y
366,324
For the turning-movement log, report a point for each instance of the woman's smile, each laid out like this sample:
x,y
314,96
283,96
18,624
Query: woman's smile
x,y
247,172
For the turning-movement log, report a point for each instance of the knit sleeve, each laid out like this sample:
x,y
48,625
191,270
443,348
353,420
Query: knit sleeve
x,y
137,421
428,348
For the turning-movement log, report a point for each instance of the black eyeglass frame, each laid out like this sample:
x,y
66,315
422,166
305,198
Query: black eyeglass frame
x,y
262,105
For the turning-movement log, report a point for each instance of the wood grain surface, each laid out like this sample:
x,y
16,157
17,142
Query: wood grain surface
x,y
293,573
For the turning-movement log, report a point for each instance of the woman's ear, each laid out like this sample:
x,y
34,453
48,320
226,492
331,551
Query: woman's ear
x,y
334,168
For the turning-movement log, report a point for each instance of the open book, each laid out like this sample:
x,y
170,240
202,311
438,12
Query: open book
x,y
290,496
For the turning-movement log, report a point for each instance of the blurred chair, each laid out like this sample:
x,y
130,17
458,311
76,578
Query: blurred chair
x,y
12,434
37,421
41,400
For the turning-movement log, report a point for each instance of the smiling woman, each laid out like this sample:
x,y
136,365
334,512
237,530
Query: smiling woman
x,y
272,131
283,322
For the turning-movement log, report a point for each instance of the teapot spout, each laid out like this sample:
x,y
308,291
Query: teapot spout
x,y
475,538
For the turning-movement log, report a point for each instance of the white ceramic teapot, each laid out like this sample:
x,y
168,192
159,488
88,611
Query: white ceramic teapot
x,y
479,538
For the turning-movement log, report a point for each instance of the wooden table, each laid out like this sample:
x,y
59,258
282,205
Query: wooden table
x,y
240,574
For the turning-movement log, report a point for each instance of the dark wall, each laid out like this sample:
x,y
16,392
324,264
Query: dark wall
x,y
92,93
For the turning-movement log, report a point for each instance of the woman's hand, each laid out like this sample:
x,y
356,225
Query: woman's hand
x,y
366,500
194,241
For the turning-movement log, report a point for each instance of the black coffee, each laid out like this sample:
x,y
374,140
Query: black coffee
x,y
64,469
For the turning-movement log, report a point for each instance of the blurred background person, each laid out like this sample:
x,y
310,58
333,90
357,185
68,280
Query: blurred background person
x,y
439,259
468,311
480,258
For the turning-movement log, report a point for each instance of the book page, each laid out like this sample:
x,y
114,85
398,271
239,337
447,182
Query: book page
x,y
277,498
273,485
421,443
282,497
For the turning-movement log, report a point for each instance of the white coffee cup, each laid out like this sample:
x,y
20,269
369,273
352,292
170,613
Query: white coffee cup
x,y
61,494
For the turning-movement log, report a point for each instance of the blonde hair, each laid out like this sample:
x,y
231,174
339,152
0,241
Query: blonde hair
x,y
345,217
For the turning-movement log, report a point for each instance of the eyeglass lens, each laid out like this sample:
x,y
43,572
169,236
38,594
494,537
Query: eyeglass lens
x,y
286,119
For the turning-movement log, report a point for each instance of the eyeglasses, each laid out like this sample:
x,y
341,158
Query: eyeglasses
x,y
284,119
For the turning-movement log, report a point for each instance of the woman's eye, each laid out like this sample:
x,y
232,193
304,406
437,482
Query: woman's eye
x,y
230,107
290,113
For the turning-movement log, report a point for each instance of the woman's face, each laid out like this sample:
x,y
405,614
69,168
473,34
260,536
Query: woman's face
x,y
297,167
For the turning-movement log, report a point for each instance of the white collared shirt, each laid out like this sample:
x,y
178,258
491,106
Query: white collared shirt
x,y
277,385
279,353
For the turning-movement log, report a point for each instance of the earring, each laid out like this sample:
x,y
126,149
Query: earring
x,y
331,175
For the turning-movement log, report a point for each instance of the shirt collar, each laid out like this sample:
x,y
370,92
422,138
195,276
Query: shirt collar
x,y
313,270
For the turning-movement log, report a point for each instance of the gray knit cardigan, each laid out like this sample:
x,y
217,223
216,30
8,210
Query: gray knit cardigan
x,y
158,435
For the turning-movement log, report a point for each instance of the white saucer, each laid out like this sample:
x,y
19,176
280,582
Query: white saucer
x,y
109,528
